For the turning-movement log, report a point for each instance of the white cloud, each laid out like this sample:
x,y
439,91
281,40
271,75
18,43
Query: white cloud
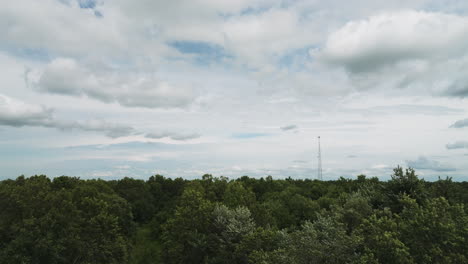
x,y
259,38
18,114
58,27
392,37
423,52
66,76
259,66
173,136
111,130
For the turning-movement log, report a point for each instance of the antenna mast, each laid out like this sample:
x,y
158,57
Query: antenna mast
x,y
319,165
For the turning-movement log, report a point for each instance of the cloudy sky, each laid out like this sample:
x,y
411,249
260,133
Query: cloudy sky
x,y
113,88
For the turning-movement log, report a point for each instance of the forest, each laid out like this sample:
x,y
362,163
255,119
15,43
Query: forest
x,y
244,220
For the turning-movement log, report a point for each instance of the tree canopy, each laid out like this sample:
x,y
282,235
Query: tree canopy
x,y
245,220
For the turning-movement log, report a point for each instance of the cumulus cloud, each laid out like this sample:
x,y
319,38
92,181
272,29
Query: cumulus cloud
x,y
173,136
460,123
257,38
425,52
17,114
60,26
66,76
111,130
289,127
423,163
390,37
457,145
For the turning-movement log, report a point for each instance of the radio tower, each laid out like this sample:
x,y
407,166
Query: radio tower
x,y
319,165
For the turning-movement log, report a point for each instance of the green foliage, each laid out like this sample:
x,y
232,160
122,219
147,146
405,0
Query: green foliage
x,y
62,222
185,237
138,195
436,232
405,183
230,227
381,237
216,220
322,241
237,195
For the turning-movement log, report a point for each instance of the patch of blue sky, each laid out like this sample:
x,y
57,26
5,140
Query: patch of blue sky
x,y
11,154
245,12
204,53
249,135
35,54
450,6
87,4
90,4
287,3
98,14
65,2
254,11
295,59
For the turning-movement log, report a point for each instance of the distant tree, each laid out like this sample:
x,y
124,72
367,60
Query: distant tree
x,y
237,195
138,195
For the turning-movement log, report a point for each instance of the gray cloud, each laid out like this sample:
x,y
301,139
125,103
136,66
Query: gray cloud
x,y
460,123
386,38
300,161
289,127
423,163
459,88
173,136
185,136
397,50
66,76
457,145
17,114
111,130
415,109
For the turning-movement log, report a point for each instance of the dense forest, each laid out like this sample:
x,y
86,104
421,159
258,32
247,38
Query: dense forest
x,y
245,220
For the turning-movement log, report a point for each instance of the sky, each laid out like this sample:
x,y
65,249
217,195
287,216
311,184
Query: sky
x,y
115,88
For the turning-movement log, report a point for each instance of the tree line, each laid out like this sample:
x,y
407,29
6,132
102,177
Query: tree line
x,y
245,220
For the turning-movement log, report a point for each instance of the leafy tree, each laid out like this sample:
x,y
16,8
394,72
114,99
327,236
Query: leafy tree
x,y
237,195
381,236
185,235
230,227
247,220
138,195
436,232
66,222
322,241
404,183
